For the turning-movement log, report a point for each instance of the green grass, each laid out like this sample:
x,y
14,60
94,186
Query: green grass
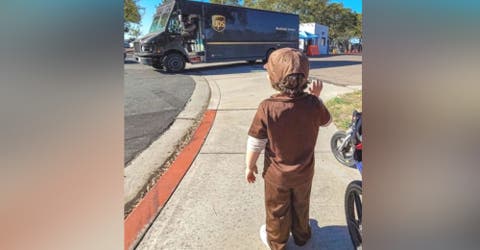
x,y
342,106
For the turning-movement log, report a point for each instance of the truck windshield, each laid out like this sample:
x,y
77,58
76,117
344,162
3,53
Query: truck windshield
x,y
161,17
159,23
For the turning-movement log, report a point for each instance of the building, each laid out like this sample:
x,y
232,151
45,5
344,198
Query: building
x,y
317,34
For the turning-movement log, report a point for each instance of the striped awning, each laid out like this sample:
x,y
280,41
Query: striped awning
x,y
306,35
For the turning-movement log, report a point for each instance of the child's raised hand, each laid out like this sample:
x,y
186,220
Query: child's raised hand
x,y
250,174
316,87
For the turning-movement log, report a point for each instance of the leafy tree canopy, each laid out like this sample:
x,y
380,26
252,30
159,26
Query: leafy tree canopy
x,y
131,11
343,23
226,2
131,14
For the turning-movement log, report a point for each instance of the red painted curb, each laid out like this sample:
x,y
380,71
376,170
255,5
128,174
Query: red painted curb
x,y
141,216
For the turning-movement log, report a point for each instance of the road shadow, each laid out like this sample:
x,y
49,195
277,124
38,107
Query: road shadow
x,y
328,237
334,55
332,64
126,61
242,68
224,69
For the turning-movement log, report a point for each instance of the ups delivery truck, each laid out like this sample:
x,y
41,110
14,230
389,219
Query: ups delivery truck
x,y
197,32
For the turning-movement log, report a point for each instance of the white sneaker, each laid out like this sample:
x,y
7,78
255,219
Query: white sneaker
x,y
263,235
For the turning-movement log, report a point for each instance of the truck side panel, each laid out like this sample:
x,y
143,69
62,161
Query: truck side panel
x,y
234,33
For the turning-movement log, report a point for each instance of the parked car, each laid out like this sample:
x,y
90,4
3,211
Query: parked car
x,y
126,45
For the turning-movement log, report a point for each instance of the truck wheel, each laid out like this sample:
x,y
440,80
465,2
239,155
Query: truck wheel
x,y
157,65
174,62
267,55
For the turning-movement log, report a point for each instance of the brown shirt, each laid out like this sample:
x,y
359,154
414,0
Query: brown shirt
x,y
291,127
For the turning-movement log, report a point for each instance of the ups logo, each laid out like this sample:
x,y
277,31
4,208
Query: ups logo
x,y
218,23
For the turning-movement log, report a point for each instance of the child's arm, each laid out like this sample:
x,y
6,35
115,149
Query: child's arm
x,y
254,148
251,162
315,90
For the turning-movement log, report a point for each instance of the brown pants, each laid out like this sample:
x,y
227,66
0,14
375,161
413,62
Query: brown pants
x,y
287,210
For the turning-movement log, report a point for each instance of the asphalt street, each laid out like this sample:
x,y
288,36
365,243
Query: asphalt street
x,y
153,99
213,202
152,102
213,207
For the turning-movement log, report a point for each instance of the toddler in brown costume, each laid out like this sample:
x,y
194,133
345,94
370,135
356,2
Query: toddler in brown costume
x,y
286,126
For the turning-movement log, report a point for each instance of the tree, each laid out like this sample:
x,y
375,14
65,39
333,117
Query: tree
x,y
135,31
306,9
226,2
358,28
131,14
249,3
343,23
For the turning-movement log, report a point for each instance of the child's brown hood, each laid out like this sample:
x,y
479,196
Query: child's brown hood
x,y
286,61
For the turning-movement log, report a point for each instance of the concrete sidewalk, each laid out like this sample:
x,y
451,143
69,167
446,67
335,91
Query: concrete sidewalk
x,y
214,207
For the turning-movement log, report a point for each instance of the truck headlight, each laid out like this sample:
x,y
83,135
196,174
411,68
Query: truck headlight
x,y
146,48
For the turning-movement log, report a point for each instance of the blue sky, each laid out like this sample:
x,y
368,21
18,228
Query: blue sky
x,y
150,6
355,5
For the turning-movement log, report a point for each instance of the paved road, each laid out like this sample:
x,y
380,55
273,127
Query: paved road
x,y
154,99
344,70
213,207
152,102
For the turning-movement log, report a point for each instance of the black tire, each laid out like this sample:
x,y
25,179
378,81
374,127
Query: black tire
x,y
353,212
174,62
267,55
344,156
158,66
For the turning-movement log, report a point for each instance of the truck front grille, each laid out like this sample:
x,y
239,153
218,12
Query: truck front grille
x,y
136,45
